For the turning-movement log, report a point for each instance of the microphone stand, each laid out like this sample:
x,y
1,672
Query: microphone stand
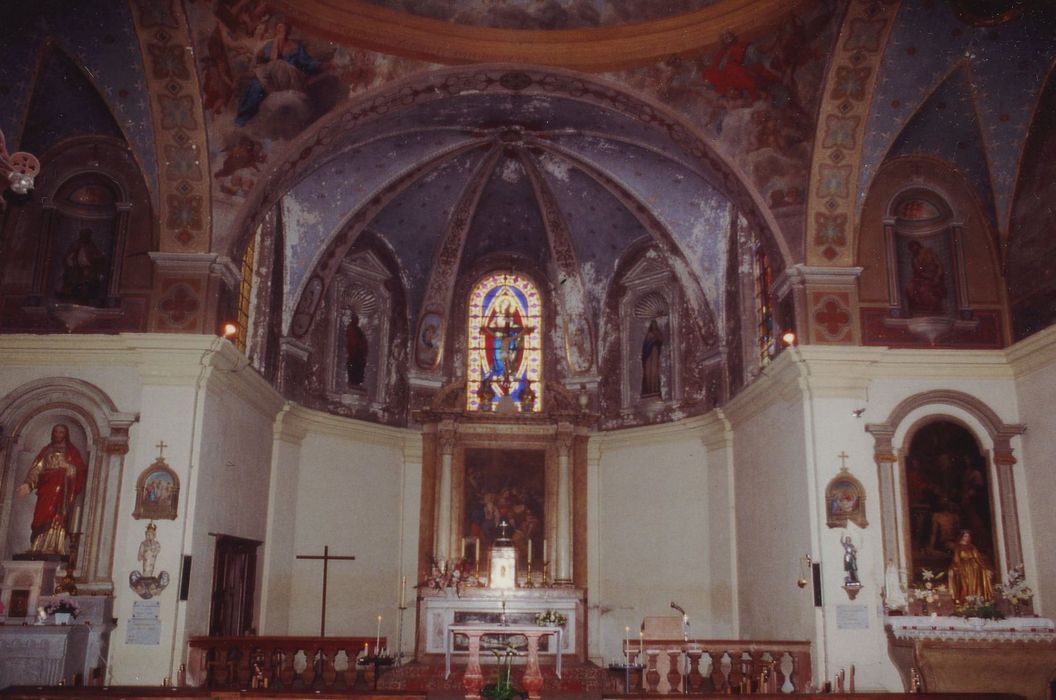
x,y
685,649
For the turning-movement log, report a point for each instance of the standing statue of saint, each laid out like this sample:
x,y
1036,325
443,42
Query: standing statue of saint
x,y
652,345
58,475
357,347
968,573
850,561
149,549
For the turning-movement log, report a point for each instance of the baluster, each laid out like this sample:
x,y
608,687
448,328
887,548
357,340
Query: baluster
x,y
736,675
326,662
286,674
696,679
674,670
309,673
718,678
652,675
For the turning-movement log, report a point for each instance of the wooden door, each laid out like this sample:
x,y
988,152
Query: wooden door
x,y
234,585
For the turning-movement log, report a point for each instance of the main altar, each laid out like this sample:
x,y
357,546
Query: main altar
x,y
503,535
440,610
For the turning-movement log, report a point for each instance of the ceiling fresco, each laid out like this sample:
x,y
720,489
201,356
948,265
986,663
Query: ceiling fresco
x,y
544,14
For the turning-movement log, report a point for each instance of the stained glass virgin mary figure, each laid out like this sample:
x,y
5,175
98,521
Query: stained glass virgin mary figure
x,y
504,339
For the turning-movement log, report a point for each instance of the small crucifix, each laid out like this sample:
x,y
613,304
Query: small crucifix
x,y
326,570
843,459
161,448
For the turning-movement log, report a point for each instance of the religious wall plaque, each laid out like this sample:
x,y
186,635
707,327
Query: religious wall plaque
x,y
845,501
157,492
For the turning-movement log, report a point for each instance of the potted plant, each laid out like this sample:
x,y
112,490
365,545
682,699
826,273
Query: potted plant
x,y
502,688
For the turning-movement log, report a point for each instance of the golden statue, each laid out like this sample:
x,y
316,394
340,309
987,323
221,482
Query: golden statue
x,y
968,573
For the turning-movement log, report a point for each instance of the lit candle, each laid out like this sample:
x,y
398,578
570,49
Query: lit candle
x,y
529,551
641,642
626,639
403,592
366,649
377,639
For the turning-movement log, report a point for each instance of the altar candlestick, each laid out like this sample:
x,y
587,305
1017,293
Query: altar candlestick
x,y
403,592
377,639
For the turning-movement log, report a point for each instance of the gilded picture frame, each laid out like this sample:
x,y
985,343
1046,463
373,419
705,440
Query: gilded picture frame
x,y
845,501
157,492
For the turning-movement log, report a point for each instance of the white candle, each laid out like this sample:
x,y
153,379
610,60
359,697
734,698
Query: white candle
x,y
626,639
377,639
641,641
544,552
403,592
477,549
529,551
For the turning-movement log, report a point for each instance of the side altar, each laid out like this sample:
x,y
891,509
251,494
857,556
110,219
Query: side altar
x,y
519,606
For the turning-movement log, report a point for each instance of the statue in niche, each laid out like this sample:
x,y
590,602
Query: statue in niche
x,y
652,345
357,347
58,475
83,269
926,289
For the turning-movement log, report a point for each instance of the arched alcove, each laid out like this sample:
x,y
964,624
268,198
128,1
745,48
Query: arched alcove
x,y
975,422
100,433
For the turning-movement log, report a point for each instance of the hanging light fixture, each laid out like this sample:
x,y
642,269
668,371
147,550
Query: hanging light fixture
x,y
18,169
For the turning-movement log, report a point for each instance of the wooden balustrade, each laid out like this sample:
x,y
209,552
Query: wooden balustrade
x,y
285,663
721,665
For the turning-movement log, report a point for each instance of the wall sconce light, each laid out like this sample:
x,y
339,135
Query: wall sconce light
x,y
804,567
18,169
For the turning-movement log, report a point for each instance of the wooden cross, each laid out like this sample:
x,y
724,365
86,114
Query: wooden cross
x,y
326,570
843,459
161,448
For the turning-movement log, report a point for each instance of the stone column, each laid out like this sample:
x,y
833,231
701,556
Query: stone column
x,y
563,558
442,541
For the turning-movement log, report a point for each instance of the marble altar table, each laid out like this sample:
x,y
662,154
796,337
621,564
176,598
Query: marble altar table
x,y
473,680
41,654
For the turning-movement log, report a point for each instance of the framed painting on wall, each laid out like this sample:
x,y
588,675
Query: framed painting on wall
x,y
157,492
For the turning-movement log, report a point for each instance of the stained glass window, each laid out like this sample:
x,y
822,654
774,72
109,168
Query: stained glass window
x,y
504,344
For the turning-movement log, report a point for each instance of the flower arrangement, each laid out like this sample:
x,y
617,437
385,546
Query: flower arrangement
x,y
931,591
444,574
978,606
1015,591
63,605
550,618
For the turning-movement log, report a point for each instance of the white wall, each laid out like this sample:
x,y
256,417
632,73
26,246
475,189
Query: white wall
x,y
1034,363
357,492
656,534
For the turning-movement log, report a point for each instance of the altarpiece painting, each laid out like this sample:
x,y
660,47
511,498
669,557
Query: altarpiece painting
x,y
510,485
948,491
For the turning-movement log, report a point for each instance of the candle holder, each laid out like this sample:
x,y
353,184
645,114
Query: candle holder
x,y
399,635
68,583
528,582
546,574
